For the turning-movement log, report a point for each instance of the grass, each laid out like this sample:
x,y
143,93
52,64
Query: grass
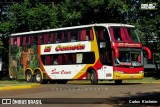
x,y
9,82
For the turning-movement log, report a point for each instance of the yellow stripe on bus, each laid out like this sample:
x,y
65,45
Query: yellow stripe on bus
x,y
94,47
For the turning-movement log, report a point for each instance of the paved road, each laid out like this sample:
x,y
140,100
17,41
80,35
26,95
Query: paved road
x,y
89,95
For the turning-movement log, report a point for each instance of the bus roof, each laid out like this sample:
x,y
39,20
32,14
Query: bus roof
x,y
74,27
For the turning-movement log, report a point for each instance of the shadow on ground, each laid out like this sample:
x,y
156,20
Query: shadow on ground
x,y
136,100
102,84
140,99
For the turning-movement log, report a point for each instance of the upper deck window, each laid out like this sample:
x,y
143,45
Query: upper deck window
x,y
123,34
103,38
14,41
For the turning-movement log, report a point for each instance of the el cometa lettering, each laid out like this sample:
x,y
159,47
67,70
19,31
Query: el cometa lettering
x,y
70,47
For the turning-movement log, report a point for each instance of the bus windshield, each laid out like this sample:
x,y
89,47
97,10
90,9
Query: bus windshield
x,y
129,57
124,34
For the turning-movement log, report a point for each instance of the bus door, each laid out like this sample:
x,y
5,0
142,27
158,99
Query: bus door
x,y
106,60
106,72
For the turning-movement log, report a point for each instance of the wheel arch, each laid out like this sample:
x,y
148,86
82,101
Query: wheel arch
x,y
28,69
89,71
38,69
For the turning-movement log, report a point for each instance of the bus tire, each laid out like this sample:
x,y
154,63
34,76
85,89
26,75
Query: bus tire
x,y
38,77
118,82
93,77
29,76
44,82
62,81
52,81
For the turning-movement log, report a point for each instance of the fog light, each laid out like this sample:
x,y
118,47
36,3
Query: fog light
x,y
141,72
121,72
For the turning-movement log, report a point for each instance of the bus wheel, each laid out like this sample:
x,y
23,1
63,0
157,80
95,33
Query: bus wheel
x,y
44,82
118,82
38,77
29,76
62,81
93,77
52,81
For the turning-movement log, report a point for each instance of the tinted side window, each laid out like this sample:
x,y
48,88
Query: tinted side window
x,y
106,57
86,34
34,39
14,41
103,36
71,58
88,58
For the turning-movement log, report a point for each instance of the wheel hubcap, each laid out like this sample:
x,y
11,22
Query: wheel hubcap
x,y
28,77
38,78
92,77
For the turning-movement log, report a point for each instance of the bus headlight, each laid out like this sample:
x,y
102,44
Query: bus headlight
x,y
121,72
141,72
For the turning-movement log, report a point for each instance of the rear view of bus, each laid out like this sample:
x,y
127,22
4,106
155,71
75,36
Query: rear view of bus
x,y
127,52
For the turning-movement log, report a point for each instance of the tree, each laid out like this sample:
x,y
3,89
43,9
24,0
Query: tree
x,y
37,15
27,16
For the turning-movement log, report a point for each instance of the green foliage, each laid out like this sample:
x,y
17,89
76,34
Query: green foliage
x,y
68,14
37,15
27,16
6,27
41,17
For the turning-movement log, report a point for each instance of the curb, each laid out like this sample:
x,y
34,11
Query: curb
x,y
18,87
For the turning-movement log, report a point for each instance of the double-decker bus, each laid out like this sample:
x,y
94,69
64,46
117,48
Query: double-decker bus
x,y
95,52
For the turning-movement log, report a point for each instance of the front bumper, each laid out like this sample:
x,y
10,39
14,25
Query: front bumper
x,y
120,76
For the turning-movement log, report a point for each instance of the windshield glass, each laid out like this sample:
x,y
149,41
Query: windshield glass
x,y
129,57
124,34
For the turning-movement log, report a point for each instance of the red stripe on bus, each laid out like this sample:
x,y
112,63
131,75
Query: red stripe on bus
x,y
97,66
82,76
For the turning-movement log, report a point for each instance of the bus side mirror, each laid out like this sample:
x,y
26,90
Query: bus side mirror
x,y
116,51
148,51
